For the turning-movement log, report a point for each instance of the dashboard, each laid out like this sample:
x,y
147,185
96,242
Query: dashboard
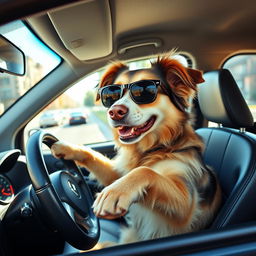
x,y
23,225
8,159
13,177
6,190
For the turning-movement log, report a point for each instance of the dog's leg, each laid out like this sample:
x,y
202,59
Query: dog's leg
x,y
170,194
96,163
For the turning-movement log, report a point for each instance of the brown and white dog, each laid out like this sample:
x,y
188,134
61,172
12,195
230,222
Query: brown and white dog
x,y
158,178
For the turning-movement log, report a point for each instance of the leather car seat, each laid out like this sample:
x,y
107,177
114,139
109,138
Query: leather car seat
x,y
230,151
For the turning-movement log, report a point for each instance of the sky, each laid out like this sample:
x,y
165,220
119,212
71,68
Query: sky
x,y
79,90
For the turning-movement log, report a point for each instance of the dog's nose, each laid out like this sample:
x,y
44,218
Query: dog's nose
x,y
118,112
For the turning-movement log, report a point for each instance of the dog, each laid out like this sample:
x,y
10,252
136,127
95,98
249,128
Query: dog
x,y
157,180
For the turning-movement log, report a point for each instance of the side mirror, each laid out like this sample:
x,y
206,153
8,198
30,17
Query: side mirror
x,y
12,59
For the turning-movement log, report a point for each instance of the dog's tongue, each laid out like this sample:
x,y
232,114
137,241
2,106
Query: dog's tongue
x,y
127,132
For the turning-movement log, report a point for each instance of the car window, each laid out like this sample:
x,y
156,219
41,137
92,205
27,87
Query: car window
x,y
40,60
75,116
243,69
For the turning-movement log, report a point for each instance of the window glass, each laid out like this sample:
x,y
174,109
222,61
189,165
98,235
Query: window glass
x,y
40,60
243,68
75,116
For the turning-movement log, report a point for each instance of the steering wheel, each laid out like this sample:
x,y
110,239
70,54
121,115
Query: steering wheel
x,y
64,195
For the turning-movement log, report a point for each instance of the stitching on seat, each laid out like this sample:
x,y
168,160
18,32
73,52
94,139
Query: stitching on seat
x,y
209,138
243,187
225,151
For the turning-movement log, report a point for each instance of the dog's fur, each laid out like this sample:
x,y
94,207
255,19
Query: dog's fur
x,y
158,178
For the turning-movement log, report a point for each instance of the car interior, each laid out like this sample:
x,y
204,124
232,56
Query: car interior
x,y
38,215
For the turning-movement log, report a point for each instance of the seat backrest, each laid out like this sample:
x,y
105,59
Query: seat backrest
x,y
230,151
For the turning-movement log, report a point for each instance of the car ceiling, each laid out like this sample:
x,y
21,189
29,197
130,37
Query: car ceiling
x,y
97,31
208,30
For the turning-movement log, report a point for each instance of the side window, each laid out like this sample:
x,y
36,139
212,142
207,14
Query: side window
x,y
75,116
243,69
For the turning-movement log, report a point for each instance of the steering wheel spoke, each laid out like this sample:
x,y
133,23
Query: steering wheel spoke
x,y
70,210
85,223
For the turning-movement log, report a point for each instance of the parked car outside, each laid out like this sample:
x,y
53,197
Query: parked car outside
x,y
50,118
77,118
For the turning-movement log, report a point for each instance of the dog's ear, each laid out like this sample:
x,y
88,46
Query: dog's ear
x,y
196,75
181,80
111,74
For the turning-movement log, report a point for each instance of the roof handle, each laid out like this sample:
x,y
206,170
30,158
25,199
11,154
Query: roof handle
x,y
125,47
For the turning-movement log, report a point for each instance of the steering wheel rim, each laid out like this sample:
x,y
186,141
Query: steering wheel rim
x,y
64,195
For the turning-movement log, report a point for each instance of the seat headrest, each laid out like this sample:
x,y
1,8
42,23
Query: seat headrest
x,y
221,100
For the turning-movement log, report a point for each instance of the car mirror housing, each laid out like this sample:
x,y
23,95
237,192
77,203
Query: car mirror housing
x,y
12,59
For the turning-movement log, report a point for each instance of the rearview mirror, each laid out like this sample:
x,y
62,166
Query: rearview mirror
x,y
12,59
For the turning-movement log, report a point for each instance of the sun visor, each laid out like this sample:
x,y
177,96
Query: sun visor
x,y
85,29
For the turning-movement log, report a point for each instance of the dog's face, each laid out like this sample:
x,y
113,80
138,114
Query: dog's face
x,y
133,121
157,117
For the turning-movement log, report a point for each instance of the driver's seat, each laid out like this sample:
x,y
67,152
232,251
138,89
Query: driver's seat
x,y
230,151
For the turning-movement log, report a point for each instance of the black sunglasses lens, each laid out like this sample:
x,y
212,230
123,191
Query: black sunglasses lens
x,y
144,92
110,94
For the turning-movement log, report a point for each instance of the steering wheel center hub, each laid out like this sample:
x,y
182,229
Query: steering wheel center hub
x,y
74,188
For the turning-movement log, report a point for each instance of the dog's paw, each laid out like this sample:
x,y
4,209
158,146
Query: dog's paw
x,y
114,201
62,150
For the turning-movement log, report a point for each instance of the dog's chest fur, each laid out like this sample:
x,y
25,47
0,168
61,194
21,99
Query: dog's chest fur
x,y
125,161
146,223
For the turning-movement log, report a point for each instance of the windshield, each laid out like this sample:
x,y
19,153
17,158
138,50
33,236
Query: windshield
x,y
40,60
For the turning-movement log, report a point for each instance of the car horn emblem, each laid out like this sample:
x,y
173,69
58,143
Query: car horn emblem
x,y
73,188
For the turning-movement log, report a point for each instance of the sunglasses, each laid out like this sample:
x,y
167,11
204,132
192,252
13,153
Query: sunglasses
x,y
141,92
